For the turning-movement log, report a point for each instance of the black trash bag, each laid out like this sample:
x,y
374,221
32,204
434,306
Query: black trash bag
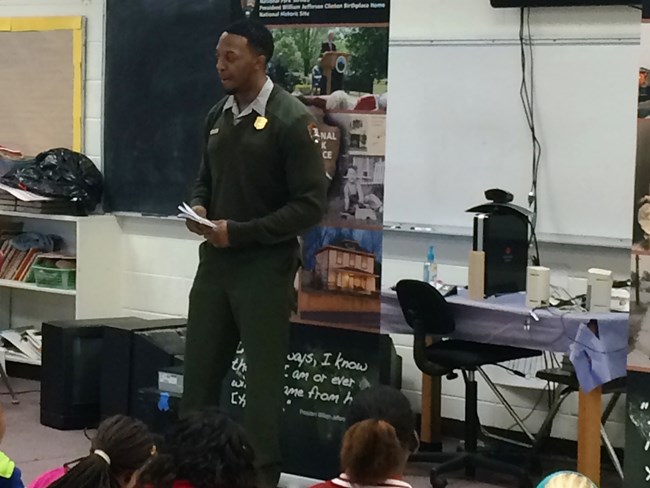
x,y
60,173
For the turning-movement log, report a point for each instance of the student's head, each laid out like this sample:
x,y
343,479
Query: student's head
x,y
387,404
380,436
330,36
566,479
243,51
372,453
121,448
207,449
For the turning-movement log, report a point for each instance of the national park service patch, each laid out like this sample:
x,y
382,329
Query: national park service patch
x,y
314,133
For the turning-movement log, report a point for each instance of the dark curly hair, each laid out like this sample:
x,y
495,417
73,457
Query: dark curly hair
x,y
128,445
207,449
259,37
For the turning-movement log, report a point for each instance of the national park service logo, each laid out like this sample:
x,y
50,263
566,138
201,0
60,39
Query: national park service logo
x,y
314,133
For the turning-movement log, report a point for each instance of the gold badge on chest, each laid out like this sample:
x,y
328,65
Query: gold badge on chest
x,y
260,122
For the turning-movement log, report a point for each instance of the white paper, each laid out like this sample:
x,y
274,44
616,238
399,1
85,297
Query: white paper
x,y
24,195
23,345
188,213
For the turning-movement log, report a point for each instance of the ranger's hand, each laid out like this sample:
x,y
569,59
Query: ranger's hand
x,y
218,236
195,227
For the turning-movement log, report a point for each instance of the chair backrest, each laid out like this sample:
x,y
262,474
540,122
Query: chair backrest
x,y
424,308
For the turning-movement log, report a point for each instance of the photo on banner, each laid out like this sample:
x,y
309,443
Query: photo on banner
x,y
637,432
333,57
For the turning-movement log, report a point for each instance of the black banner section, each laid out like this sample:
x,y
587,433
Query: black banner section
x,y
325,369
637,430
323,12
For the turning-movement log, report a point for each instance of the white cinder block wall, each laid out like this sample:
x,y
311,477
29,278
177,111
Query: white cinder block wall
x,y
160,257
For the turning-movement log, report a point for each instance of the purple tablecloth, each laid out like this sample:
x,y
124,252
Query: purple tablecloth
x,y
504,319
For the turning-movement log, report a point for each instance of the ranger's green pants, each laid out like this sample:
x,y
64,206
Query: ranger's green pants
x,y
242,294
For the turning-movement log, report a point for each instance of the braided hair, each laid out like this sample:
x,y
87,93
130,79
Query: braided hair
x,y
121,447
206,449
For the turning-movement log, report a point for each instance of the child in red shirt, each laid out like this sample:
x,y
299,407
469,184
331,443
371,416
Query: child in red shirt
x,y
380,438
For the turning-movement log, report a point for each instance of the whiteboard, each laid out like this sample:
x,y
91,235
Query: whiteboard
x,y
456,127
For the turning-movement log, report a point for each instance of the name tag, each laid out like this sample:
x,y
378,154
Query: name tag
x,y
214,131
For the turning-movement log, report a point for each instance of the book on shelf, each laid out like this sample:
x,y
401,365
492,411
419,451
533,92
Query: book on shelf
x,y
25,265
14,200
46,208
8,253
17,264
12,264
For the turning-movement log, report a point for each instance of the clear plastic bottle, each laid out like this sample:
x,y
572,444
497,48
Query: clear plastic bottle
x,y
430,268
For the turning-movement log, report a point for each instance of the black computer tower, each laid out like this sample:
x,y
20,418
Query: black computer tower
x,y
502,234
132,356
71,372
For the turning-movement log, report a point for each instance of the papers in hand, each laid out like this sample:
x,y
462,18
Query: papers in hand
x,y
189,214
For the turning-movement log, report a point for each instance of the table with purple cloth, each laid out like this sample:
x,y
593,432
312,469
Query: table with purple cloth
x,y
596,344
506,320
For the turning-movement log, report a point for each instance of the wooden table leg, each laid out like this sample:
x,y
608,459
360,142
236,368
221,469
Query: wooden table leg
x,y
430,432
589,413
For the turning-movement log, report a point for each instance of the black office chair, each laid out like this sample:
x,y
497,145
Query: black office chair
x,y
430,316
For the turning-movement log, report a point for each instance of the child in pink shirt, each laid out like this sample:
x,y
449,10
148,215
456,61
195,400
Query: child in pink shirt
x,y
49,477
120,450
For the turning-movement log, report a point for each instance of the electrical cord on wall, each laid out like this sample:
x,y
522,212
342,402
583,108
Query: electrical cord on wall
x,y
533,237
527,95
543,392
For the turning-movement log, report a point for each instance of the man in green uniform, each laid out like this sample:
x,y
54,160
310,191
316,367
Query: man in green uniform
x,y
261,183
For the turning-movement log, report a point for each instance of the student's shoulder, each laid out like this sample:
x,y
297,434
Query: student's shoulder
x,y
16,479
10,475
7,466
287,109
325,484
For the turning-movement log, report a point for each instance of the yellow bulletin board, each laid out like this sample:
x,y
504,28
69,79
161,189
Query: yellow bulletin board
x,y
41,86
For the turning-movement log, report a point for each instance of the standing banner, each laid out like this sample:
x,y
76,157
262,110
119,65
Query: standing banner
x,y
637,432
333,56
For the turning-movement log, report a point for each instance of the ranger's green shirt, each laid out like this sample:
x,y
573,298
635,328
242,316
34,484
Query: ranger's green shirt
x,y
268,182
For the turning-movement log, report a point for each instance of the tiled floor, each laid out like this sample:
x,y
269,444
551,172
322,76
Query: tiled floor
x,y
36,449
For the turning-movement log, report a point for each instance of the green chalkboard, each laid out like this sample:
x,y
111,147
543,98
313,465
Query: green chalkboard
x,y
160,83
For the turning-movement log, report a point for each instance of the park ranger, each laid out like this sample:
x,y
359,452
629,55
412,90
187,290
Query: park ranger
x,y
261,183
